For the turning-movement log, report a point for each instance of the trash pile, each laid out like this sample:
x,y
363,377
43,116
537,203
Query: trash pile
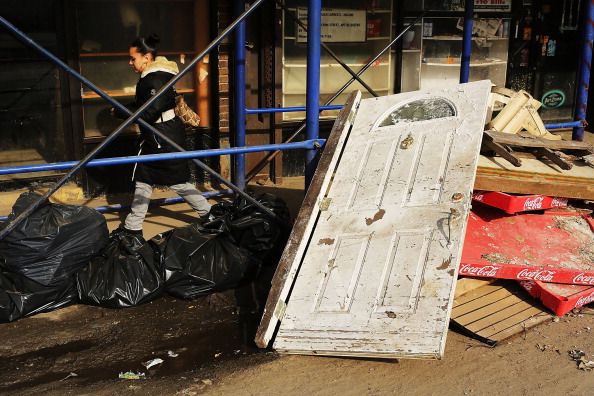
x,y
63,254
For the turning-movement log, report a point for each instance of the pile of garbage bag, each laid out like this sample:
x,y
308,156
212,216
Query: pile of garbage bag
x,y
38,259
62,254
127,272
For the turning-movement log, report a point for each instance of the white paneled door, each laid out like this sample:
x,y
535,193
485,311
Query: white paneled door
x,y
378,273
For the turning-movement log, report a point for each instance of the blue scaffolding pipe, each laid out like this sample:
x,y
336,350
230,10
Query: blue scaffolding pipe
x,y
583,84
466,42
132,117
289,109
306,145
312,99
154,202
239,94
565,125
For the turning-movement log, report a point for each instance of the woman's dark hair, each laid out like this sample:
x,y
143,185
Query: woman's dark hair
x,y
147,45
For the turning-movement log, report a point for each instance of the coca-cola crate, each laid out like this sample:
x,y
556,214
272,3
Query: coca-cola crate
x,y
560,298
518,203
556,246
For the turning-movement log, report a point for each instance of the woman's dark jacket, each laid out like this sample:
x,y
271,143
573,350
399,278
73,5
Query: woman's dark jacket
x,y
168,172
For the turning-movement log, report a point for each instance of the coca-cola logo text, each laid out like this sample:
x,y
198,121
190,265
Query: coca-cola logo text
x,y
558,202
478,197
584,279
487,271
585,300
533,203
537,275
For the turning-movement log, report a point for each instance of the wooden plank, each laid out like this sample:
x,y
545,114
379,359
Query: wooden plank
x,y
490,315
476,304
465,285
535,177
477,293
521,312
304,223
536,319
495,318
523,141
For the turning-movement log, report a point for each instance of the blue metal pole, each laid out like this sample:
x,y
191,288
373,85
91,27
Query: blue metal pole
x,y
239,95
289,109
582,100
312,100
466,42
306,144
565,125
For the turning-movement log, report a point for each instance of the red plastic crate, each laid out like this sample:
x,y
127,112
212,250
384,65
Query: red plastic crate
x,y
518,203
560,298
554,247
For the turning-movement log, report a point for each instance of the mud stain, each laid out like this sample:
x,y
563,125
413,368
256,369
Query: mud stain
x,y
445,264
326,241
378,216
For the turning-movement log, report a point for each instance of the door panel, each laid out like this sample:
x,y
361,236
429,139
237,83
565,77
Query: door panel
x,y
377,276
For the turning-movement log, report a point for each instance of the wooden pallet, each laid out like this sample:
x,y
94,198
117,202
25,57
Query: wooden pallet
x,y
494,312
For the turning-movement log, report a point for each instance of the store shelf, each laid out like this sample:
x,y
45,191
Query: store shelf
x,y
411,50
328,65
126,54
302,92
444,63
460,38
123,94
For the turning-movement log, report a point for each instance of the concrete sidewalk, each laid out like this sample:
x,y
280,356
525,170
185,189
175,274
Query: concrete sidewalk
x,y
159,219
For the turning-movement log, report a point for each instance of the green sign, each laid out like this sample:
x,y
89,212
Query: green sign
x,y
553,99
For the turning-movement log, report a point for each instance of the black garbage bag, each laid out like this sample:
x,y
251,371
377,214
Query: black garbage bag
x,y
126,273
200,261
53,242
251,228
20,296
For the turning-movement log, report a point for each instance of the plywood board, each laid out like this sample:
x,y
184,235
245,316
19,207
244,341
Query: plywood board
x,y
377,275
535,177
494,312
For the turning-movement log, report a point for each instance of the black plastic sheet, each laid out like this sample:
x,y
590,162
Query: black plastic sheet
x,y
200,261
20,296
53,242
126,273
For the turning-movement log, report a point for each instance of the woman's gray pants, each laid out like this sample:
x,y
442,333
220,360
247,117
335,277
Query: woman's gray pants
x,y
142,198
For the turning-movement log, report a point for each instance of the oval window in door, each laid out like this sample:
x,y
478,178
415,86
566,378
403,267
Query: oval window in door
x,y
420,110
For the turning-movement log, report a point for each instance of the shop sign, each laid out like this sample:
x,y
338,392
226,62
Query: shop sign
x,y
338,25
492,5
553,99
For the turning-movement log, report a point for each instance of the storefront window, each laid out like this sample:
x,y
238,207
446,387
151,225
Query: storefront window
x,y
356,31
105,30
30,99
420,110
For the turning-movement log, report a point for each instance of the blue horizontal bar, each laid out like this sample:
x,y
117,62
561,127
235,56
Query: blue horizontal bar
x,y
154,202
306,144
289,109
565,125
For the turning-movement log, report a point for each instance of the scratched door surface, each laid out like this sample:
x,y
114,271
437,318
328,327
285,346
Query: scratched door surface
x,y
378,275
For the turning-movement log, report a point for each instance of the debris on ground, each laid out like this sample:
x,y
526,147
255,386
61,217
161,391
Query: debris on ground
x,y
131,375
152,363
71,375
582,361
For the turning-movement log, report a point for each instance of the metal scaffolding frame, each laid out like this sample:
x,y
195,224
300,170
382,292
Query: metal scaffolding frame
x,y
312,108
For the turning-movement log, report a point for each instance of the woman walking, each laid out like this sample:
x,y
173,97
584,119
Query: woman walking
x,y
155,71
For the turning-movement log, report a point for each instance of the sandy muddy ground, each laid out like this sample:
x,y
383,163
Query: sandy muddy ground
x,y
212,338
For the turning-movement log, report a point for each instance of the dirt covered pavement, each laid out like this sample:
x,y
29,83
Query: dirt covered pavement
x,y
206,347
